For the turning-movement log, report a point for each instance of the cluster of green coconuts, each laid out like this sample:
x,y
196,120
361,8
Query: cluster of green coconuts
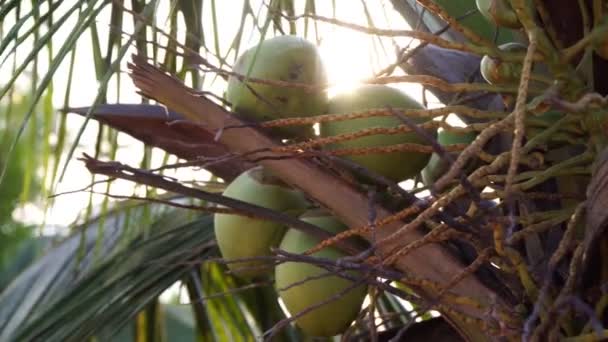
x,y
293,59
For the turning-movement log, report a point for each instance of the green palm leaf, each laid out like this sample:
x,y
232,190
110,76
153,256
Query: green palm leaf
x,y
63,297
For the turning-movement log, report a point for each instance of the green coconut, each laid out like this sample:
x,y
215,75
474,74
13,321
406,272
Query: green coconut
x,y
495,71
438,166
333,317
499,12
397,165
283,58
242,237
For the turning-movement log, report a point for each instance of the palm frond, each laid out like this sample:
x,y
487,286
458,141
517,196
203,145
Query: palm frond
x,y
73,275
67,297
159,127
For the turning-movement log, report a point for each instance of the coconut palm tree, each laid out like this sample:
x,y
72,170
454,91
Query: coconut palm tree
x,y
117,128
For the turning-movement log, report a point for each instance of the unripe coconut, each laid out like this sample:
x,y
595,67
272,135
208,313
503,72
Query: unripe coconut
x,y
282,58
496,71
333,317
243,237
397,165
437,166
499,12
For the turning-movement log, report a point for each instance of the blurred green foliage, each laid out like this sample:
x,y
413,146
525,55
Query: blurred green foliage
x,y
18,247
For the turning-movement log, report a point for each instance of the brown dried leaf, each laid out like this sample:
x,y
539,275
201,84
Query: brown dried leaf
x,y
156,126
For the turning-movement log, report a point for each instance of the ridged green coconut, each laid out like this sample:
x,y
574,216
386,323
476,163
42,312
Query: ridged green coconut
x,y
333,317
438,166
243,237
499,12
397,165
283,58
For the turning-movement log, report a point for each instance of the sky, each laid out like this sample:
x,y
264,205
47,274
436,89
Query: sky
x,y
348,56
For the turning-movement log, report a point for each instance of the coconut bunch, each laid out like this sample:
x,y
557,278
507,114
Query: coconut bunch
x,y
380,138
506,191
283,79
503,227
